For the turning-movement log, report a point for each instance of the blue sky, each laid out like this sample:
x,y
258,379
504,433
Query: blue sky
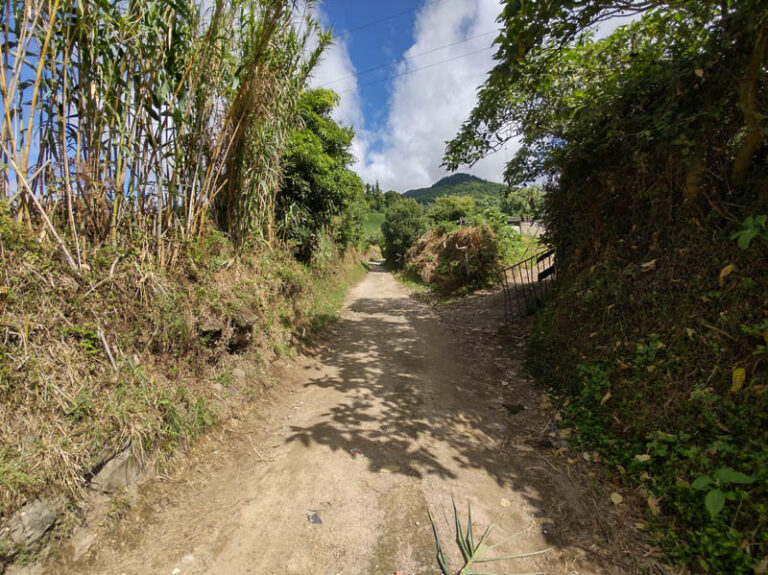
x,y
430,57
376,36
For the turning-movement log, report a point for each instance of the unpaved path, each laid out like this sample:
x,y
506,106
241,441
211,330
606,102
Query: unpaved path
x,y
420,393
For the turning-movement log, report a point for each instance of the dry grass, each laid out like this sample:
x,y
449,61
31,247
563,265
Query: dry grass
x,y
89,363
456,262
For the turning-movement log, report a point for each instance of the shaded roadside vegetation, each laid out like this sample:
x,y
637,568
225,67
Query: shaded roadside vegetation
x,y
652,143
451,246
176,208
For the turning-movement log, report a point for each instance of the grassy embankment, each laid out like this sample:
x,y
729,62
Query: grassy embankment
x,y
130,353
659,363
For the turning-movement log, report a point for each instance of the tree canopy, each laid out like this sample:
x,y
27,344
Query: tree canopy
x,y
682,63
318,184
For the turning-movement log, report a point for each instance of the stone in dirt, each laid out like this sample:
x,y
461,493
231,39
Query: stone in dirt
x,y
31,522
314,517
118,473
210,330
514,408
82,542
246,321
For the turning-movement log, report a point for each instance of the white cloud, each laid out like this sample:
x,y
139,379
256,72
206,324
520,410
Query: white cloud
x,y
433,97
336,71
429,100
433,93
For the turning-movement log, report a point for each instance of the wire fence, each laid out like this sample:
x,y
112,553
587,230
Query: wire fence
x,y
526,283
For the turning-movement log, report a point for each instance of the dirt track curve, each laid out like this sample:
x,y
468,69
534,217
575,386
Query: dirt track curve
x,y
421,393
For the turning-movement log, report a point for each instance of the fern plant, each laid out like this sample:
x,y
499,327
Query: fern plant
x,y
472,553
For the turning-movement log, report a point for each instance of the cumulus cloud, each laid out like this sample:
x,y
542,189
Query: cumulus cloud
x,y
336,71
433,91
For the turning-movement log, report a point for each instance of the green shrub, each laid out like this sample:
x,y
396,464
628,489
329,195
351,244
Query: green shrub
x,y
403,223
452,209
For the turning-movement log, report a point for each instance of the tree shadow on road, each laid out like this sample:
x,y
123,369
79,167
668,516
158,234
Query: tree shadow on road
x,y
423,397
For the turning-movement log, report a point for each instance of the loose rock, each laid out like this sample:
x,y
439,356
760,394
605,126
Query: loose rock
x,y
31,522
118,473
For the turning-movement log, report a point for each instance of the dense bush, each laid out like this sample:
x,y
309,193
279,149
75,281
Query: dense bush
x,y
404,222
452,209
456,262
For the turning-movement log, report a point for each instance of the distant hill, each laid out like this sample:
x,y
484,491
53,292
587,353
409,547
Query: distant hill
x,y
485,193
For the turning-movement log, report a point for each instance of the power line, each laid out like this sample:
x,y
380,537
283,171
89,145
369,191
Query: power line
x,y
411,57
391,17
408,72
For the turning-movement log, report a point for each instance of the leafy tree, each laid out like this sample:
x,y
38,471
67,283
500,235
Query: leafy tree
x,y
524,201
714,52
404,222
390,198
318,185
452,209
374,197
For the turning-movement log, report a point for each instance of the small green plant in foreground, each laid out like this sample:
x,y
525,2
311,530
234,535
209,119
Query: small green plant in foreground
x,y
471,553
717,486
751,228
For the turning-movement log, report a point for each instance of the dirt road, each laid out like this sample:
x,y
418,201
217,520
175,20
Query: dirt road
x,y
421,394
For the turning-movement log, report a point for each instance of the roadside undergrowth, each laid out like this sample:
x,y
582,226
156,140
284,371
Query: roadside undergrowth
x,y
130,353
658,357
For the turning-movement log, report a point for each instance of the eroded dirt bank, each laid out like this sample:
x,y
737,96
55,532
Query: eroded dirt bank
x,y
436,404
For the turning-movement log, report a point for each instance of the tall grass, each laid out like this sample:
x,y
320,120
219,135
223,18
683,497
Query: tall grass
x,y
127,122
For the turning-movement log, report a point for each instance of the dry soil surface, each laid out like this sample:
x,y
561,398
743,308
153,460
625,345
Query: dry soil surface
x,y
403,408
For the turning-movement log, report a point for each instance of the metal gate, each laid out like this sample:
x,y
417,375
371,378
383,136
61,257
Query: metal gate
x,y
526,282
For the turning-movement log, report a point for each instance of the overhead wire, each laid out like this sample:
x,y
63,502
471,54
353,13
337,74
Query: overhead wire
x,y
391,17
413,71
410,57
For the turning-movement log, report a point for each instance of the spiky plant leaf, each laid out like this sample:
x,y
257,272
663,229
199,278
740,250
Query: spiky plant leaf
x,y
465,552
440,555
472,553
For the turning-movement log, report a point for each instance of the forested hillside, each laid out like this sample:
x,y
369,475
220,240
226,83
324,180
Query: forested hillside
x,y
486,194
652,144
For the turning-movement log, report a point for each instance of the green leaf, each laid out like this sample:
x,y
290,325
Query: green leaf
x,y
702,482
714,502
466,553
728,475
440,555
470,535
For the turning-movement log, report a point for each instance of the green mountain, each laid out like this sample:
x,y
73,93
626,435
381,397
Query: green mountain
x,y
486,194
